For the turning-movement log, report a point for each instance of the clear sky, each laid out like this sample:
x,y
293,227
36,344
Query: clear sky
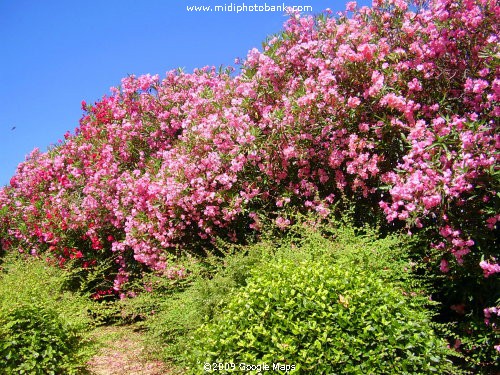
x,y
55,53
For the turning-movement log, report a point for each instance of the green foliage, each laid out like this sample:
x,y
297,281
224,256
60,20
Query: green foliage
x,y
176,308
388,257
325,296
34,340
323,318
42,326
90,279
477,347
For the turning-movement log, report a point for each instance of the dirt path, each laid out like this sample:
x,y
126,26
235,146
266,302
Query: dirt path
x,y
123,354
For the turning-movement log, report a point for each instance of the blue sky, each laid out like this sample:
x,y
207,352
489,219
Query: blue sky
x,y
57,53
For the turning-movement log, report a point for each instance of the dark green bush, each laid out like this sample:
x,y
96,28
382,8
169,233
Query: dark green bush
x,y
323,318
42,327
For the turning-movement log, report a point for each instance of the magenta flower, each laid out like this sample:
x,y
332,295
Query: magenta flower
x,y
489,268
282,223
444,266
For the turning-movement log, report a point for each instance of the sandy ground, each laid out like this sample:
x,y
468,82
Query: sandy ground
x,y
123,354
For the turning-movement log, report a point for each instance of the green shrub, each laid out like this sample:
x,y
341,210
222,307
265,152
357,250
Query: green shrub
x,y
381,292
34,340
322,318
389,256
173,316
42,326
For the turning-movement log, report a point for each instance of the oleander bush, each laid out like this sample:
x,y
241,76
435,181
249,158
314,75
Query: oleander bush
x,y
42,327
367,105
390,109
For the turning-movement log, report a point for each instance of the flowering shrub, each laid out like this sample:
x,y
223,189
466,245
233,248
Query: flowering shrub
x,y
393,106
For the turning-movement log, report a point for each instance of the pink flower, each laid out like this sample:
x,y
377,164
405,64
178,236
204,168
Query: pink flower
x,y
351,6
353,102
377,80
393,101
489,269
415,85
282,223
431,201
364,127
290,152
367,51
491,222
444,266
322,210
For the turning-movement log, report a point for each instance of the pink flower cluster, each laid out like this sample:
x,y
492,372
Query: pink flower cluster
x,y
491,313
489,268
394,105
